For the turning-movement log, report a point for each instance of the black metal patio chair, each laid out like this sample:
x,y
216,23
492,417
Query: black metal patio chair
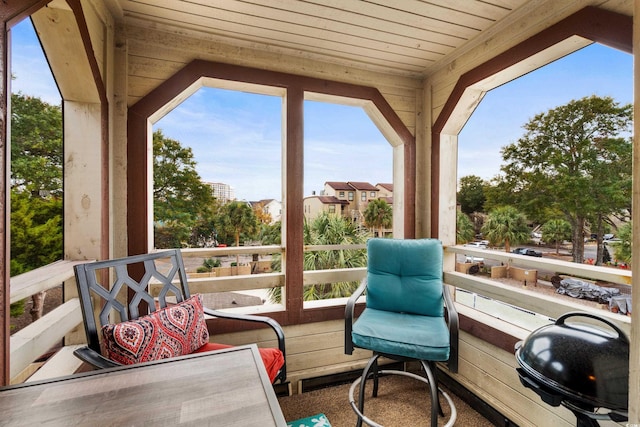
x,y
125,323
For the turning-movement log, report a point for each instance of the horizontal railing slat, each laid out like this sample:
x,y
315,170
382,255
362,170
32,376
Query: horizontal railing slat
x,y
41,279
40,336
607,274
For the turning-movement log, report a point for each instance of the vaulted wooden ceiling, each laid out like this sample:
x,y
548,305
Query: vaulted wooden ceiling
x,y
406,37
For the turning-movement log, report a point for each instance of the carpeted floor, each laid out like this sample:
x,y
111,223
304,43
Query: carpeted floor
x,y
401,402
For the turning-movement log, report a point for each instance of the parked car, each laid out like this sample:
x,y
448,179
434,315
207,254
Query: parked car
x,y
479,245
527,251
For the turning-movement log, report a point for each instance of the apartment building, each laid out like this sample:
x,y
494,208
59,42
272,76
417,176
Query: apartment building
x,y
384,190
348,199
315,205
271,207
221,191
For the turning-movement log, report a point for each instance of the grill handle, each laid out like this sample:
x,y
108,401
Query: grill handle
x,y
621,335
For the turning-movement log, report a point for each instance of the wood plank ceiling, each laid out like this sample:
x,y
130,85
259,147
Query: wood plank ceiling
x,y
405,37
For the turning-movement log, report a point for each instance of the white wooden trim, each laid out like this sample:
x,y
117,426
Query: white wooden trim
x,y
60,364
39,337
41,279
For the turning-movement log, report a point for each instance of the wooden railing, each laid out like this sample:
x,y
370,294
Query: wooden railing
x,y
30,343
39,337
524,299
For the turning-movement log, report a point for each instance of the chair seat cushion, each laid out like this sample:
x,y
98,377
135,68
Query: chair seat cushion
x,y
401,334
272,358
172,331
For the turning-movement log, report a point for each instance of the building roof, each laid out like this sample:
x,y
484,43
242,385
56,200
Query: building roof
x,y
386,186
265,202
338,185
328,200
362,186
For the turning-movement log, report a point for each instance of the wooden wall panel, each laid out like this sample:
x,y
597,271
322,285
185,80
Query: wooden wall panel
x,y
490,373
313,349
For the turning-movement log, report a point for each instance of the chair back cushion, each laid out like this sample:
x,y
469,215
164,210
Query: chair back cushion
x,y
405,276
172,331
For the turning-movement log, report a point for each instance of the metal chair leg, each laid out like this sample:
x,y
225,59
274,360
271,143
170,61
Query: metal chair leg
x,y
434,371
433,386
373,363
375,378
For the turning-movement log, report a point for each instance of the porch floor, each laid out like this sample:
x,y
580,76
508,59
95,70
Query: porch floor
x,y
401,402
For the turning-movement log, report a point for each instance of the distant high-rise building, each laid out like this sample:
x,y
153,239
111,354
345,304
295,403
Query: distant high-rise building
x,y
223,192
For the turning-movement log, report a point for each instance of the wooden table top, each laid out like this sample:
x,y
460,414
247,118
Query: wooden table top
x,y
224,388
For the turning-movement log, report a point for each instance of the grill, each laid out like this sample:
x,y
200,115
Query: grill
x,y
580,366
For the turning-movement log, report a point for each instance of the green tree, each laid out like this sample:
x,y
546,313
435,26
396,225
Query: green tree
x,y
378,215
170,234
465,231
574,159
36,146
208,265
332,230
622,250
270,234
36,183
506,225
556,231
36,231
471,195
36,187
204,233
180,198
328,229
237,218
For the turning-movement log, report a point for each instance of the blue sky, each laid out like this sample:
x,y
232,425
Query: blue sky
x,y
236,137
499,119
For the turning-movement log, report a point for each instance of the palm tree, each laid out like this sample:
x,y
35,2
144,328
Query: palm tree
x,y
236,218
556,230
208,264
464,228
623,250
506,224
328,230
378,215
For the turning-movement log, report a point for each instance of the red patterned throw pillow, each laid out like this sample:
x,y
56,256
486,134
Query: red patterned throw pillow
x,y
172,331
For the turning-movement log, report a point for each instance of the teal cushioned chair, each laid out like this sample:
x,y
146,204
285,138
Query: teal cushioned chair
x,y
409,314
